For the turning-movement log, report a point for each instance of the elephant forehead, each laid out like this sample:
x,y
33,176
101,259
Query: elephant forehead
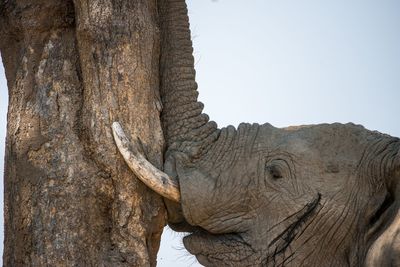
x,y
327,142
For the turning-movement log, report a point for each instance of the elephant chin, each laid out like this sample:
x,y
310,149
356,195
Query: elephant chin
x,y
220,250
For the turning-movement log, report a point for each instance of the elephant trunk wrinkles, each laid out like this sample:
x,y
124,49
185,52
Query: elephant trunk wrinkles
x,y
186,128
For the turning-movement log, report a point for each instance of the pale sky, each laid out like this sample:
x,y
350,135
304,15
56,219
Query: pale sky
x,y
289,62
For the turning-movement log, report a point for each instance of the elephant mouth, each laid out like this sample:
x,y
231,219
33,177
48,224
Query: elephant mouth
x,y
222,248
281,242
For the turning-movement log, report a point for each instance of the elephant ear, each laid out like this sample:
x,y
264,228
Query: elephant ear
x,y
385,251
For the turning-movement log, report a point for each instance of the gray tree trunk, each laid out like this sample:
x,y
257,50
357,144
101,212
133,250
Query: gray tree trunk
x,y
72,69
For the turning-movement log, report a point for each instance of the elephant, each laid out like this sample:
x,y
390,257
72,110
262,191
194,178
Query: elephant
x,y
257,195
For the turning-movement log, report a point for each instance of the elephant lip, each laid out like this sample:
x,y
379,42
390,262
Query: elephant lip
x,y
203,260
184,226
203,245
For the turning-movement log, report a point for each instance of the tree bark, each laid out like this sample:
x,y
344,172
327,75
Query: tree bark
x,y
72,69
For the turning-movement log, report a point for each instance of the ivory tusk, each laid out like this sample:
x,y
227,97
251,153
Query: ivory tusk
x,y
157,180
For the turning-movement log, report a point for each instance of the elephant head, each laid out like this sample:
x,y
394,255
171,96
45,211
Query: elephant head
x,y
319,195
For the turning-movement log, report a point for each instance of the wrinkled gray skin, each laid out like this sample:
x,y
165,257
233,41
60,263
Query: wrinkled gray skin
x,y
308,196
321,195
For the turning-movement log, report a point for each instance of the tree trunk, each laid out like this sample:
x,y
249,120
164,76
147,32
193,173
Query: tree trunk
x,y
72,69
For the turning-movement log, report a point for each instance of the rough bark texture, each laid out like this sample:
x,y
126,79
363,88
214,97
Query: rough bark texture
x,y
72,68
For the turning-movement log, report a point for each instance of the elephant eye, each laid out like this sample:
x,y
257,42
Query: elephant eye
x,y
277,168
274,172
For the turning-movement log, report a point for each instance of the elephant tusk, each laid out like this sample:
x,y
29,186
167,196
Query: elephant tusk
x,y
157,180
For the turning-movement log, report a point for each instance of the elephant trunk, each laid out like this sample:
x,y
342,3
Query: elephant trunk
x,y
186,128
